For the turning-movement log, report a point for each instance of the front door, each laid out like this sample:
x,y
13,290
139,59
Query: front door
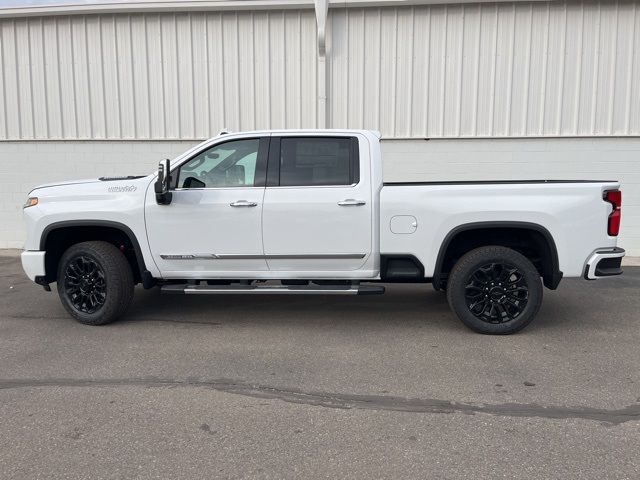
x,y
213,226
318,205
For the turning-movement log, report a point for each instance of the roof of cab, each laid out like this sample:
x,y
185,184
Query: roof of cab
x,y
342,131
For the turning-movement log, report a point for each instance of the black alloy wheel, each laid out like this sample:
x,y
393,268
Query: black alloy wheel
x,y
497,292
95,282
85,284
494,290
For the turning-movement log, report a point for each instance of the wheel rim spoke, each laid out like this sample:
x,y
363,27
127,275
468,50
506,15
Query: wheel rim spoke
x,y
496,292
85,284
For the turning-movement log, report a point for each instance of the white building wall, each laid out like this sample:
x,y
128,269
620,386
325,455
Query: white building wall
x,y
156,76
489,70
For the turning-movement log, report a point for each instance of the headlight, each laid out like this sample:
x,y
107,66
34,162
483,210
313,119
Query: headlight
x,y
31,201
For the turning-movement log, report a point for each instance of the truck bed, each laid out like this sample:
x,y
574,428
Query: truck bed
x,y
572,212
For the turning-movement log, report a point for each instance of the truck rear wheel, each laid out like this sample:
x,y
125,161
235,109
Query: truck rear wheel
x,y
95,282
494,290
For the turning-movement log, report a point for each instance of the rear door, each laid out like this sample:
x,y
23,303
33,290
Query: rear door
x,y
317,213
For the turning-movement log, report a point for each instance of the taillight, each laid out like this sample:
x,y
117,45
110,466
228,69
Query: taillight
x,y
614,197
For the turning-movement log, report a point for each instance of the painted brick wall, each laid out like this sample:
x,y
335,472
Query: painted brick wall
x,y
24,165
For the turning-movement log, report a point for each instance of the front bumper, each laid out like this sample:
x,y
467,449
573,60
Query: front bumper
x,y
604,262
33,264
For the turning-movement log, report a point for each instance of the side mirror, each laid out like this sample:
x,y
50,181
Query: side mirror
x,y
163,195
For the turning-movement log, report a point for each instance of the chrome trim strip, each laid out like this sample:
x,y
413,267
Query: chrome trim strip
x,y
351,185
187,257
251,187
234,256
238,187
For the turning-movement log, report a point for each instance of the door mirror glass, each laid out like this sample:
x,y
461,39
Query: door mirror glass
x,y
163,195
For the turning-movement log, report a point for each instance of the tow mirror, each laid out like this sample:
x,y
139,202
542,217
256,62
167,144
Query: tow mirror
x,y
163,195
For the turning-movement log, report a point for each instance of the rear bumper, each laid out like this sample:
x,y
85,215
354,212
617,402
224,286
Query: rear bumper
x,y
604,262
33,263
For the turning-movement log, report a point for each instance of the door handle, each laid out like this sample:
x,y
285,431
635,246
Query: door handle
x,y
350,202
243,203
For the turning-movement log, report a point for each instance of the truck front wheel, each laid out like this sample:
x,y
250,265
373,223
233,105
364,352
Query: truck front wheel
x,y
95,282
494,290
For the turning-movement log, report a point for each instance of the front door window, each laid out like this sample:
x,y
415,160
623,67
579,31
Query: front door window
x,y
231,164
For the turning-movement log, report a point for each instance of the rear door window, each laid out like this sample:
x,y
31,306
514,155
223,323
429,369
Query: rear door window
x,y
309,161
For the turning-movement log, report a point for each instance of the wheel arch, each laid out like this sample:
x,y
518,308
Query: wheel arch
x,y
59,236
509,234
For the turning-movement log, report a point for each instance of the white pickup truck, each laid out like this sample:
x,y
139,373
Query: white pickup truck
x,y
307,212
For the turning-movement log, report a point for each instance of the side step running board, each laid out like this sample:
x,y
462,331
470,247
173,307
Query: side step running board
x,y
274,289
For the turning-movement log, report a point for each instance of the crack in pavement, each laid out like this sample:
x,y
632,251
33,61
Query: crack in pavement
x,y
347,401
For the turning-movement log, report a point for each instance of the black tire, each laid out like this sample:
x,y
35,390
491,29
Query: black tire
x,y
494,290
95,282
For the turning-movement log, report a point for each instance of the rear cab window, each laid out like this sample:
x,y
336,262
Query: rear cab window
x,y
315,161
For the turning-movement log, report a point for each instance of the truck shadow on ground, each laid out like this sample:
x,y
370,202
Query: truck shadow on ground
x,y
420,306
414,304
576,305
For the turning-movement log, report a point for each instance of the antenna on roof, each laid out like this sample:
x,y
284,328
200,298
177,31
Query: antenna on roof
x,y
224,131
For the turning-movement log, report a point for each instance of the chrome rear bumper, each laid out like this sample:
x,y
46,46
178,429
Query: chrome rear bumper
x,y
604,262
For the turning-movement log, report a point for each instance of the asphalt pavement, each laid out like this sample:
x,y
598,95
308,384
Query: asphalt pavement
x,y
390,386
